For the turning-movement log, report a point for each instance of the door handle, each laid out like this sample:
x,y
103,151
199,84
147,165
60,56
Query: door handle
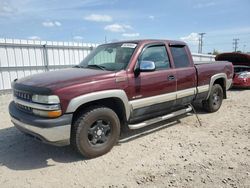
x,y
171,77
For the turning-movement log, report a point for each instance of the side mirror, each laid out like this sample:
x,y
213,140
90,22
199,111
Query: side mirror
x,y
147,66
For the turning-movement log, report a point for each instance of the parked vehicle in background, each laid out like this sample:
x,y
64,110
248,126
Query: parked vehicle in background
x,y
131,83
241,63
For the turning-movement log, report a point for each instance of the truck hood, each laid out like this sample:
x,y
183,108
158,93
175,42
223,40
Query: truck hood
x,y
64,77
235,58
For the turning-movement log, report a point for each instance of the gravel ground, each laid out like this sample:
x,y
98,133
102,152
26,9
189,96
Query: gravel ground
x,y
176,153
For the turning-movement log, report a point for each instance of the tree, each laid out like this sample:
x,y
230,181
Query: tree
x,y
215,52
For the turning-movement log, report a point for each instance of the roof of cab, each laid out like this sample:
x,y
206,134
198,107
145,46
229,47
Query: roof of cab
x,y
146,41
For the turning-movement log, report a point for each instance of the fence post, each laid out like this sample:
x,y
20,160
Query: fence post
x,y
46,59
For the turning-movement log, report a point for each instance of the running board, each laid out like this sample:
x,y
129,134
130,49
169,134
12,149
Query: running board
x,y
159,119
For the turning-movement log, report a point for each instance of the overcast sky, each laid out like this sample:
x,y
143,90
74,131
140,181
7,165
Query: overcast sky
x,y
92,20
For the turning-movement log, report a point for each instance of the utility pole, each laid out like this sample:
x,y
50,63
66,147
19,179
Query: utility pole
x,y
235,44
105,40
200,42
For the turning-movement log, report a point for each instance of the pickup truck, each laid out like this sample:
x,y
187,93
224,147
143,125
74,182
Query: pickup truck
x,y
128,84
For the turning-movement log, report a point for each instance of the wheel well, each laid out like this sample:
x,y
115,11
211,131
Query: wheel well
x,y
222,83
113,103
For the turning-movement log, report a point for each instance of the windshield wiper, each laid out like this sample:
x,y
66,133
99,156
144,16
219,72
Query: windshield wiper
x,y
98,66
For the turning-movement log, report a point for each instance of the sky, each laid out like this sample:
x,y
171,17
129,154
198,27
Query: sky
x,y
97,21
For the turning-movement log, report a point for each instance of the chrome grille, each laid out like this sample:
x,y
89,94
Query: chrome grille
x,y
24,108
23,95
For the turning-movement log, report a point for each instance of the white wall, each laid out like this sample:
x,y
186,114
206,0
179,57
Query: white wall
x,y
203,57
19,58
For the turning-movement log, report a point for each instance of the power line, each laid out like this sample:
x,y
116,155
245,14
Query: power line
x,y
235,44
200,42
226,35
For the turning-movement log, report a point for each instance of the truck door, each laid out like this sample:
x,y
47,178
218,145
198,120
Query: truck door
x,y
185,74
152,93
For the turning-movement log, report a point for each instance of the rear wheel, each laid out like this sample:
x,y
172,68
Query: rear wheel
x,y
95,132
213,103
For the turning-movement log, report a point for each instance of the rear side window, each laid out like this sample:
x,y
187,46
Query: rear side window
x,y
158,55
180,56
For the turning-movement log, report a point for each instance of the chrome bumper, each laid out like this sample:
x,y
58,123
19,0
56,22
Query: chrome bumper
x,y
55,135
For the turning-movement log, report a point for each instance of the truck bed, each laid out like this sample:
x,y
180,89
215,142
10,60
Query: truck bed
x,y
205,70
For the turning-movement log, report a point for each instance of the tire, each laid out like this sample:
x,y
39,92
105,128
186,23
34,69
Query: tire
x,y
95,132
213,103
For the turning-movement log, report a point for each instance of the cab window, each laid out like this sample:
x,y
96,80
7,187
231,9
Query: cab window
x,y
158,55
180,56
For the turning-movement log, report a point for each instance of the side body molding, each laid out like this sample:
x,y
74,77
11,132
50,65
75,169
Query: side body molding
x,y
114,93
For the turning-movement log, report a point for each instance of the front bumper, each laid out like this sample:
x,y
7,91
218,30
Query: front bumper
x,y
53,131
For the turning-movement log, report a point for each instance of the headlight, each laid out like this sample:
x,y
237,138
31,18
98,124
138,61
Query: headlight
x,y
244,75
49,106
46,99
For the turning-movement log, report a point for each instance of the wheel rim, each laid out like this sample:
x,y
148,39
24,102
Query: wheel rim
x,y
99,132
216,99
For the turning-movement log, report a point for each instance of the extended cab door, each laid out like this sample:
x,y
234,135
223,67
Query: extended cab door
x,y
185,74
152,93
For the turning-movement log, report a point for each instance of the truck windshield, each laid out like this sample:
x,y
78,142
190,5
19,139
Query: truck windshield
x,y
111,57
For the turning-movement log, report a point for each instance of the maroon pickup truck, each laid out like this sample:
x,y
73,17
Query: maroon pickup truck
x,y
131,83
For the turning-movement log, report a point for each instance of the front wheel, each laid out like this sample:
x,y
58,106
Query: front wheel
x,y
214,101
95,132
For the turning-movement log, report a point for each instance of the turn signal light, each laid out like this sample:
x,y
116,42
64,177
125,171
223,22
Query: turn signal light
x,y
51,114
54,113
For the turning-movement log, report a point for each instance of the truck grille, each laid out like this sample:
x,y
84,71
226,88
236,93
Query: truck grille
x,y
23,95
24,108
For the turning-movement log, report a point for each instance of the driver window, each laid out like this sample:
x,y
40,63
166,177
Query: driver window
x,y
158,55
